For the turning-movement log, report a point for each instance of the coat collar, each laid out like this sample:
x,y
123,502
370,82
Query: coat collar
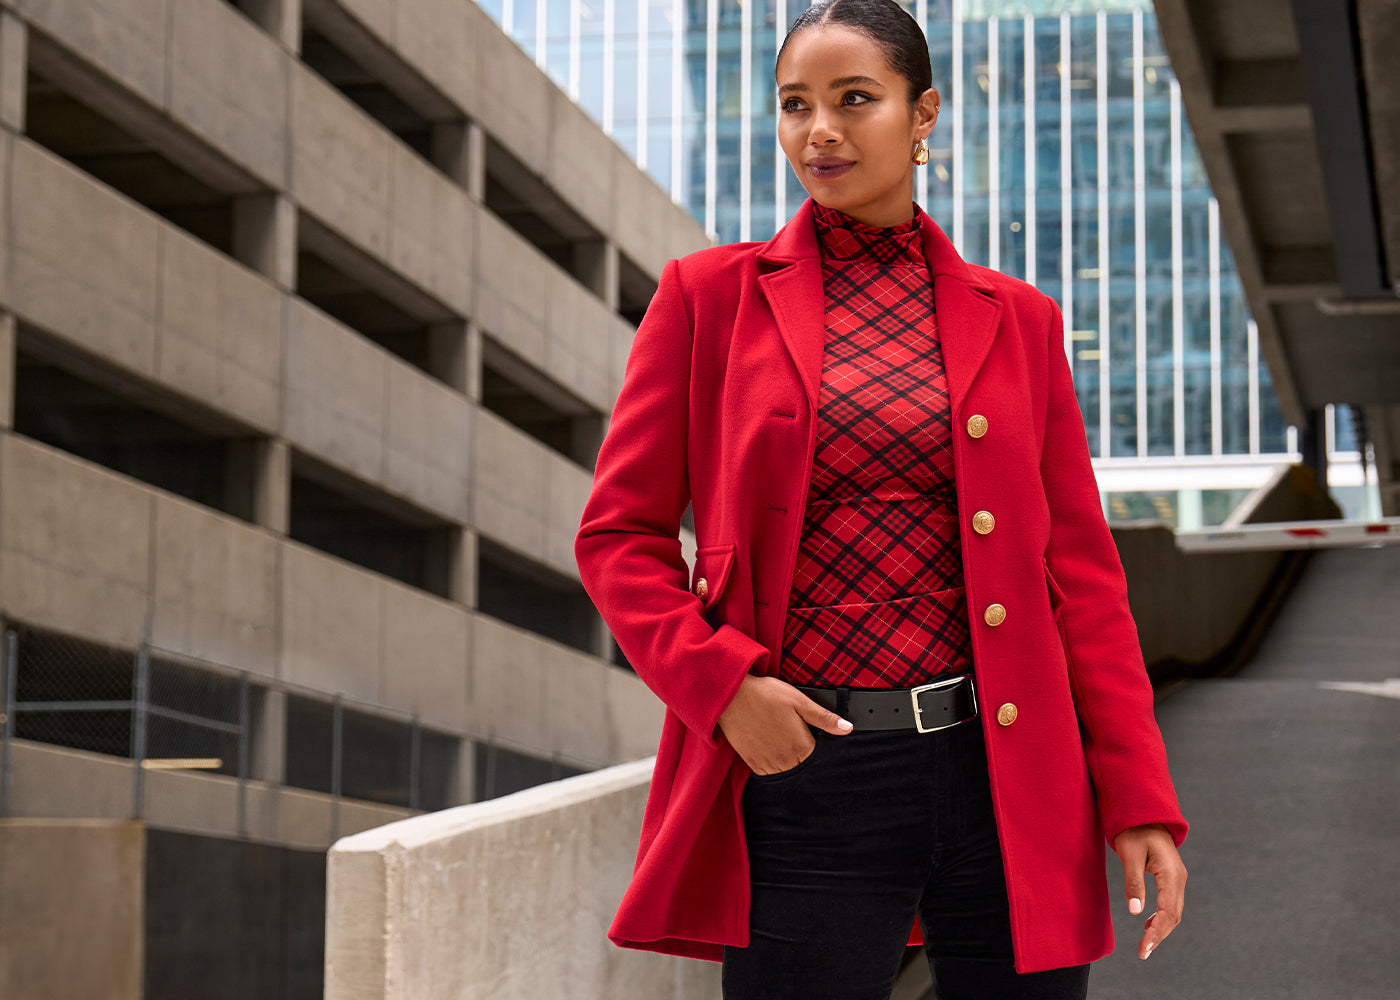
x,y
790,275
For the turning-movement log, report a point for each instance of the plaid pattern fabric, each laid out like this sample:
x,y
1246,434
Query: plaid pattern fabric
x,y
877,595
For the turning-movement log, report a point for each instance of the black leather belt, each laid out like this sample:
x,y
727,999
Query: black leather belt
x,y
926,708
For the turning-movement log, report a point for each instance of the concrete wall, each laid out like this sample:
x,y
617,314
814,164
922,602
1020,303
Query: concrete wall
x,y
94,554
71,910
113,910
1192,608
99,283
59,783
502,900
88,551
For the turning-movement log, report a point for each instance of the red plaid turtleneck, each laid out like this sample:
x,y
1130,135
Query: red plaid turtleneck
x,y
877,594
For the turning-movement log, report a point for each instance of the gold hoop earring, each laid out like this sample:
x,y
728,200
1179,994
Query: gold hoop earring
x,y
921,152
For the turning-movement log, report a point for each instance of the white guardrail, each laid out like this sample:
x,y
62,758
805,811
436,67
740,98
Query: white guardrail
x,y
1291,535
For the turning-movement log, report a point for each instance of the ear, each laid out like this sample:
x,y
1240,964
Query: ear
x,y
926,112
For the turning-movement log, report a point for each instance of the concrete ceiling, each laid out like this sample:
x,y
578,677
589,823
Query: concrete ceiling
x,y
1295,105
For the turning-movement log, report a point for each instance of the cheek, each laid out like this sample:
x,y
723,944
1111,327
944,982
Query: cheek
x,y
889,142
790,140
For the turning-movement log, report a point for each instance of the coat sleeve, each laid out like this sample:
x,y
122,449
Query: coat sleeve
x,y
1108,679
628,547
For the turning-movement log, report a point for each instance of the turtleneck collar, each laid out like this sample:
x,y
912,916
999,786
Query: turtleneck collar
x,y
840,237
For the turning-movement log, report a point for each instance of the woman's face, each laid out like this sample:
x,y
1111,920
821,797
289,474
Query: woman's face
x,y
845,124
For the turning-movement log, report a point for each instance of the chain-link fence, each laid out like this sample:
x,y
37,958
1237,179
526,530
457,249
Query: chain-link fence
x,y
165,711
157,713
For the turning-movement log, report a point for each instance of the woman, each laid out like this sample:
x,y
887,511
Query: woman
x,y
904,695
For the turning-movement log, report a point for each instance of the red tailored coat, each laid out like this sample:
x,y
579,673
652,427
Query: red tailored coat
x,y
718,407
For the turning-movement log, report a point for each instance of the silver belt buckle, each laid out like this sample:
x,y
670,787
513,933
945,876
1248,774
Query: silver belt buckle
x,y
937,686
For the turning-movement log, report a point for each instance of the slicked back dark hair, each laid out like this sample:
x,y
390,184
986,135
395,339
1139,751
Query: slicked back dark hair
x,y
886,23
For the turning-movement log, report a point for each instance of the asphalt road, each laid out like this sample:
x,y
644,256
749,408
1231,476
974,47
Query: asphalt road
x,y
1292,789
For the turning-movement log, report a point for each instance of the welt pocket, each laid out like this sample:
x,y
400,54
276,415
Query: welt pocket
x,y
1057,594
713,564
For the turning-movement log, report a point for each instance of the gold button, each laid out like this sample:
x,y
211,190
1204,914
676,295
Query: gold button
x,y
995,614
983,522
1006,714
976,425
702,588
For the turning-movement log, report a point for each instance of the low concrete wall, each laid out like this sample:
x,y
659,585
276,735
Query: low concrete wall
x,y
505,899
1200,613
71,909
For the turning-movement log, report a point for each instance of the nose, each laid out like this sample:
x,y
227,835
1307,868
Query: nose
x,y
823,129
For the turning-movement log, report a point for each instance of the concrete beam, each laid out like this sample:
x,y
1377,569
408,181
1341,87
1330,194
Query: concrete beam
x,y
1196,67
1248,83
1379,27
1264,118
1331,68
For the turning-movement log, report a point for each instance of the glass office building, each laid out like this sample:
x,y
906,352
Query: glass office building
x,y
1062,156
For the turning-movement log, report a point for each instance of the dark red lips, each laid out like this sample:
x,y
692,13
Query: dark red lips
x,y
828,167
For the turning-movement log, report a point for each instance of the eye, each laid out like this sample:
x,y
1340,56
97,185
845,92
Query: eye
x,y
791,104
861,98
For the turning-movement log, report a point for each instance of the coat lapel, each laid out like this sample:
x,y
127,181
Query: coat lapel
x,y
790,276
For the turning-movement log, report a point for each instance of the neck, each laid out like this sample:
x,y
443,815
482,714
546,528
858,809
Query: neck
x,y
883,212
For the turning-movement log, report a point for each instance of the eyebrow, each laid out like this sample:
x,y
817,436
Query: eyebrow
x,y
843,81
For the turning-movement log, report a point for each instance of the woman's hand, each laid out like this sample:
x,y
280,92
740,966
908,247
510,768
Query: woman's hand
x,y
766,724
1150,848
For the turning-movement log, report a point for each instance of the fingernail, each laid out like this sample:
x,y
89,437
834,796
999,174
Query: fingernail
x,y
1134,906
1148,953
844,726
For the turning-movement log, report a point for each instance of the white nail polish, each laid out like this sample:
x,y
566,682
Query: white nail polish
x,y
1148,953
1135,906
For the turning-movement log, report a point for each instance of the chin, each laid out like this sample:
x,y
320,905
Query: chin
x,y
839,200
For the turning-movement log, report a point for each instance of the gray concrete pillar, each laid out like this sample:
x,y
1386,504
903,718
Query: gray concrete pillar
x,y
269,750
475,179
449,149
472,347
462,575
279,18
464,784
259,475
587,435
14,70
602,638
597,265
448,355
265,236
7,370
1312,443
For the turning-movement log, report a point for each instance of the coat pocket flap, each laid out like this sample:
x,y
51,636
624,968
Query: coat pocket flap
x,y
713,564
1057,596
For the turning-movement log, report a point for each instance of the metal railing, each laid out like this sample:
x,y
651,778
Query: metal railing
x,y
163,710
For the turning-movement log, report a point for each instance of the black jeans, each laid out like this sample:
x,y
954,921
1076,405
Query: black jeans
x,y
871,831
